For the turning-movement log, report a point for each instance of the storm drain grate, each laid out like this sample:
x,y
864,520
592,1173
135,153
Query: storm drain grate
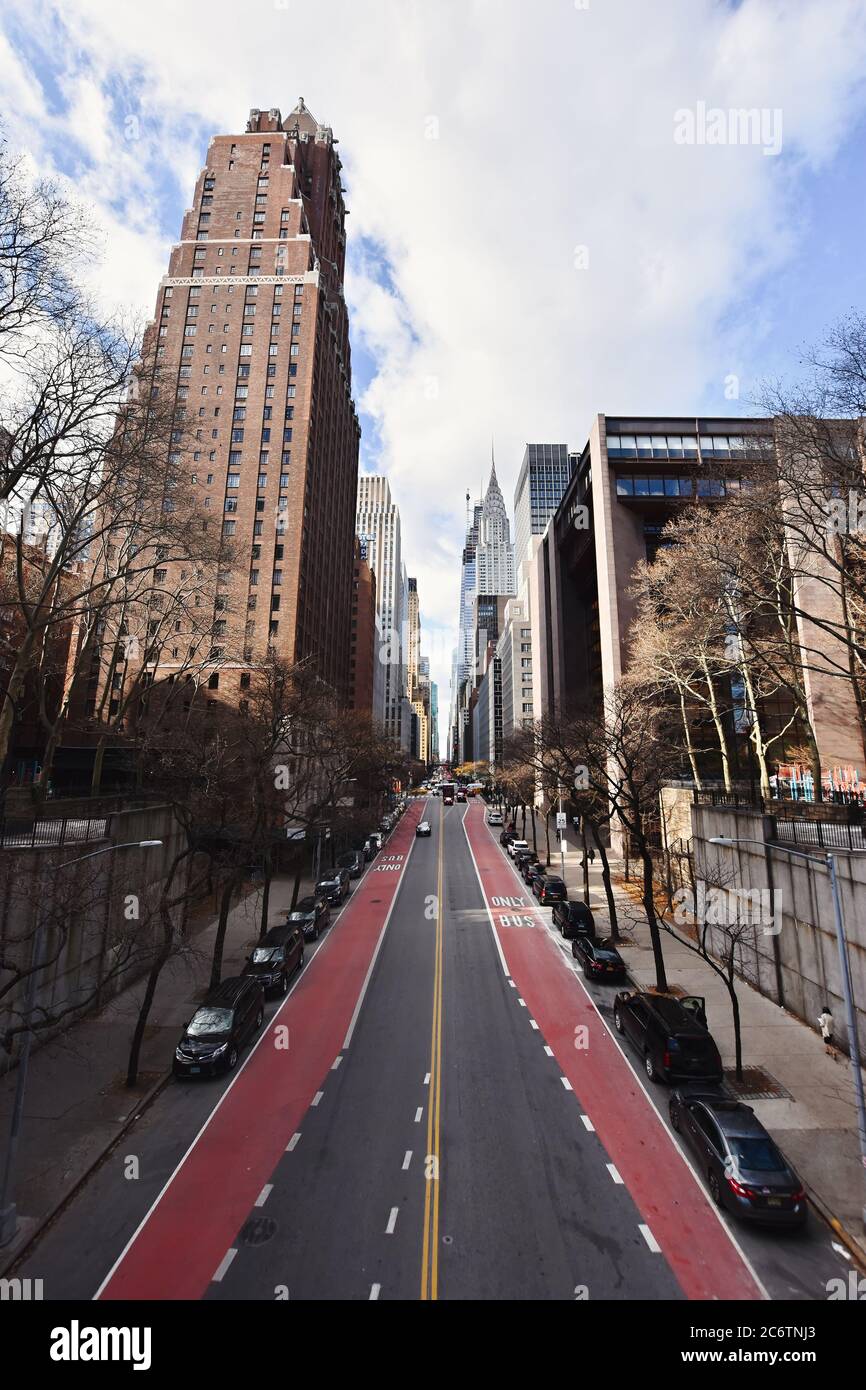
x,y
756,1084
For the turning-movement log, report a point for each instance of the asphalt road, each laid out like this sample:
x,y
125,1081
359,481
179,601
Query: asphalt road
x,y
421,1137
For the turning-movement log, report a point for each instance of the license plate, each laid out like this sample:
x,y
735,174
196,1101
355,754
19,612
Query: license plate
x,y
774,1201
194,1071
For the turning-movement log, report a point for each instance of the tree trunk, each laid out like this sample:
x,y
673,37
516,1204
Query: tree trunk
x,y
650,910
225,907
14,689
735,1010
98,761
690,748
721,735
162,956
608,884
547,837
266,897
534,833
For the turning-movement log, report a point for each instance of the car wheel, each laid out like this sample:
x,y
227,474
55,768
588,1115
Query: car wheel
x,y
259,1019
316,933
715,1190
301,961
617,1020
675,1119
233,1058
284,984
650,1066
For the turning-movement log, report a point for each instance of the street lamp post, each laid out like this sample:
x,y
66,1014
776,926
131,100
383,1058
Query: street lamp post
x,y
829,860
8,1209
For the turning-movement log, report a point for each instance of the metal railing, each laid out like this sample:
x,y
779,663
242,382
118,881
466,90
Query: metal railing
x,y
53,833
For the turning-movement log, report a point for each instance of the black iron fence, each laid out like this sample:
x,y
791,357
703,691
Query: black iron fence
x,y
54,832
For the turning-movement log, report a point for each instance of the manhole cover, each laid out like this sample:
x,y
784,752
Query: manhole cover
x,y
258,1230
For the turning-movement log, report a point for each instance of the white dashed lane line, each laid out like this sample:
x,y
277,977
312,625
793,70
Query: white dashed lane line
x,y
336,1062
533,1024
418,1113
650,1239
317,1097
548,1050
392,1221
566,1083
375,1290
293,1143
264,1194
407,1159
587,1124
224,1266
614,1174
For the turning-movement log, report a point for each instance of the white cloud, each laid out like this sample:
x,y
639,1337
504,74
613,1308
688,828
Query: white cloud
x,y
484,142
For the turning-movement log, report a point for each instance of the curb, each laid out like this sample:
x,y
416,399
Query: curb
x,y
854,1248
43,1225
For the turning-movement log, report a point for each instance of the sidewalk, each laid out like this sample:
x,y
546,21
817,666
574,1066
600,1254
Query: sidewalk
x,y
813,1115
76,1103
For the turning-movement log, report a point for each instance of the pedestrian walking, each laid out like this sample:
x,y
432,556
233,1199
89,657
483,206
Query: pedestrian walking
x,y
825,1023
591,855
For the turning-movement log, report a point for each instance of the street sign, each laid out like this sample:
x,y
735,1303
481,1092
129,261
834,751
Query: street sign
x,y
561,820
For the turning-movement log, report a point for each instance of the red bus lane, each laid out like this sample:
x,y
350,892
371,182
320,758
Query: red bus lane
x,y
699,1249
189,1230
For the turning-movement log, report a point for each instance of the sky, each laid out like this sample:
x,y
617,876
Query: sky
x,y
543,226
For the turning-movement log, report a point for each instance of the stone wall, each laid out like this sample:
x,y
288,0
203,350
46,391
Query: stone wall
x,y
796,961
97,917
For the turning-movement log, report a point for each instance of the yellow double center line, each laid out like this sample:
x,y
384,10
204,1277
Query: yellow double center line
x,y
430,1253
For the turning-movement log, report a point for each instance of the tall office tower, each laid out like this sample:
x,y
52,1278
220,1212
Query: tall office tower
x,y
413,640
487,573
378,527
364,648
434,722
544,475
252,334
494,568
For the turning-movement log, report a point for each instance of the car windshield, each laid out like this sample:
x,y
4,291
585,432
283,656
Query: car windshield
x,y
301,915
210,1021
267,955
758,1154
327,883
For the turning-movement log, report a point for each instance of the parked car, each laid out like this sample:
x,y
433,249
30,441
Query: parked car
x,y
353,861
212,1040
369,849
334,887
377,840
461,795
745,1171
531,872
549,890
527,866
670,1034
514,845
312,915
600,959
507,836
573,919
494,817
423,828
525,856
275,960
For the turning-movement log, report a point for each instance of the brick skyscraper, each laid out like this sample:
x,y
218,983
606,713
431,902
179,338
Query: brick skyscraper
x,y
253,328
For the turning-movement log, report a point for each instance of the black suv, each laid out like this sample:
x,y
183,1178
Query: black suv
x,y
312,915
217,1031
334,887
600,959
670,1034
573,919
353,861
548,890
275,959
745,1172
